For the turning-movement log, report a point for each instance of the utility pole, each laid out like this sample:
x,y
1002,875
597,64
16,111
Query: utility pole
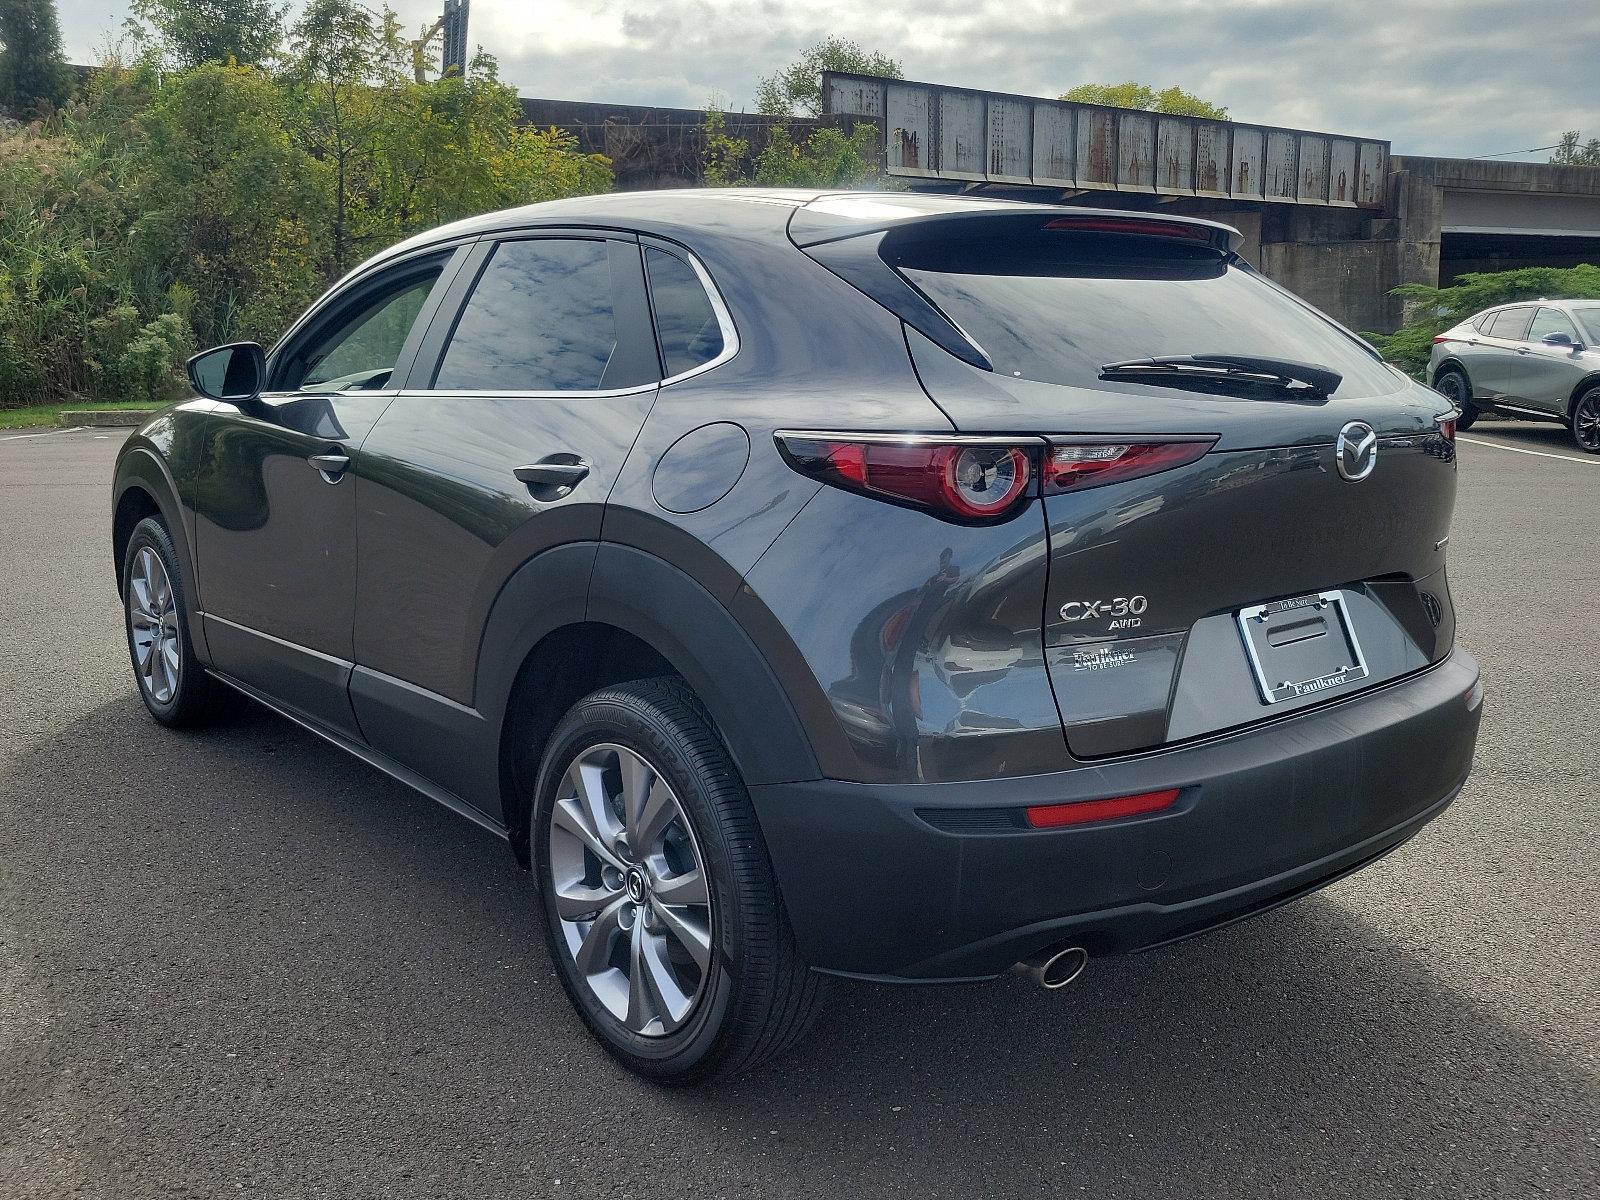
x,y
452,22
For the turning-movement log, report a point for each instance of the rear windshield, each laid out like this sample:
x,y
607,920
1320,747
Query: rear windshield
x,y
1056,306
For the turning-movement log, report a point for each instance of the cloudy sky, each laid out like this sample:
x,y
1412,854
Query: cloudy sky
x,y
1446,77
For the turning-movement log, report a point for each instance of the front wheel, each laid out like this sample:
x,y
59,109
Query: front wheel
x,y
1453,386
1586,421
661,910
172,683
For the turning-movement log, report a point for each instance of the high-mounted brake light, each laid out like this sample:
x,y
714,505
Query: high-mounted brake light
x,y
1081,812
959,480
1074,466
1136,225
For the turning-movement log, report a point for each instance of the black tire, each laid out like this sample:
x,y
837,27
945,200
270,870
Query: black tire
x,y
756,998
195,699
1584,423
1452,385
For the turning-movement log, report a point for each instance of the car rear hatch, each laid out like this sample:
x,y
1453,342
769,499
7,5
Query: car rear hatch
x,y
1256,576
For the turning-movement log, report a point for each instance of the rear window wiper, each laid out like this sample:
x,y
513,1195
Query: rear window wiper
x,y
1222,369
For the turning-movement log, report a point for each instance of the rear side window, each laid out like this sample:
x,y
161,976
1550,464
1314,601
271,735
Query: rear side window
x,y
1589,315
686,322
1057,305
1510,324
543,317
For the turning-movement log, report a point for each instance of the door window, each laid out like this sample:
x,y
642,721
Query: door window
x,y
686,321
1548,321
544,317
357,348
1509,324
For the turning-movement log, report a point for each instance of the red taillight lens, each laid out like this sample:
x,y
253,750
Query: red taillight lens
x,y
1081,812
1442,337
1075,466
1447,427
958,481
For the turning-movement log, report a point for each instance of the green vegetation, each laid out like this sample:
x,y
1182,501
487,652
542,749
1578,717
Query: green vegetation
x,y
797,89
34,78
49,414
827,157
1573,153
160,210
1437,309
1139,95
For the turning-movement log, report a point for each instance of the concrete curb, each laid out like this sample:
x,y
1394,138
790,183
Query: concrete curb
x,y
104,417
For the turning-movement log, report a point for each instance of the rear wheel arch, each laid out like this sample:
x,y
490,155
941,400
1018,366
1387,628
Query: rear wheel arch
x,y
1456,365
586,616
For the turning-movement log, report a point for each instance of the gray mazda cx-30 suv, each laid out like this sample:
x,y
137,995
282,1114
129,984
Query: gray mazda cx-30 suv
x,y
887,586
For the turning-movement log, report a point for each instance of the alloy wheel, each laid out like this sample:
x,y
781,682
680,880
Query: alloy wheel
x,y
629,889
153,626
1453,388
1586,422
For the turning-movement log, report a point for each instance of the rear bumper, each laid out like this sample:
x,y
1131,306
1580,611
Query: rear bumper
x,y
925,882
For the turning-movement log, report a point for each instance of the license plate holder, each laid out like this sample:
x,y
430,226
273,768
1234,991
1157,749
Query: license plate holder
x,y
1302,646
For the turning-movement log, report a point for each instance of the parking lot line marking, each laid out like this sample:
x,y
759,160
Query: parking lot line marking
x,y
1588,462
47,433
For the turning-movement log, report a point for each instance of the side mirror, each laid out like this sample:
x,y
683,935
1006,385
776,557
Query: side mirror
x,y
234,373
1559,339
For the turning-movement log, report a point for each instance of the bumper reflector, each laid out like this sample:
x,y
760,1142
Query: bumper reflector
x,y
1081,812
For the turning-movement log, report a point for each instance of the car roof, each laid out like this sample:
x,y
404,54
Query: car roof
x,y
691,215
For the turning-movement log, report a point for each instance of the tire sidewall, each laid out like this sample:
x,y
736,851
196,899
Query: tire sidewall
x,y
1469,411
606,719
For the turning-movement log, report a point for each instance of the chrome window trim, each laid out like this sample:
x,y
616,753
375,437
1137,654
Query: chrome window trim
x,y
502,394
730,332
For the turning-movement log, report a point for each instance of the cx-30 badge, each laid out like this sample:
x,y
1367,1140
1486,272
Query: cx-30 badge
x,y
1356,451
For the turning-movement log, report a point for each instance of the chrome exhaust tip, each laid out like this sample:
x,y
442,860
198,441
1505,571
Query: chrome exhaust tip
x,y
1054,969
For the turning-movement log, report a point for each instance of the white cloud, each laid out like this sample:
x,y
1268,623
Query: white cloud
x,y
1434,76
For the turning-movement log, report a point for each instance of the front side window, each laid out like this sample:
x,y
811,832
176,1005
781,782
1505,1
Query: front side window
x,y
543,317
1589,316
686,322
360,348
1548,321
1509,324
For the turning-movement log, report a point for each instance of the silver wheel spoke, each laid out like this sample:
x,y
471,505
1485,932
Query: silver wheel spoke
x,y
652,981
687,888
637,780
595,952
589,781
657,809
577,901
572,817
686,931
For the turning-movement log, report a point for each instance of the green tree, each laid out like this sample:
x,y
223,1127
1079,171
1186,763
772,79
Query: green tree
x,y
1436,309
223,203
797,89
34,78
1139,95
190,32
1570,153
827,158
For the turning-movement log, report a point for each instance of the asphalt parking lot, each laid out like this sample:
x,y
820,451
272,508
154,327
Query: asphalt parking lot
x,y
241,962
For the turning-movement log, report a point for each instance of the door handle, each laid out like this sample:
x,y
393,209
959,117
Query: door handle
x,y
552,478
331,466
1522,350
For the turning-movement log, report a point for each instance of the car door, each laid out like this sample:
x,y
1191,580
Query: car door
x,y
1547,373
1495,362
529,390
274,499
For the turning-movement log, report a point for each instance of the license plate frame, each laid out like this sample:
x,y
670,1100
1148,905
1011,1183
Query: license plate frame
x,y
1290,657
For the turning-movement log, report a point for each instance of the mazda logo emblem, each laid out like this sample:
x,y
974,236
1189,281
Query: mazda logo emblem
x,y
1356,451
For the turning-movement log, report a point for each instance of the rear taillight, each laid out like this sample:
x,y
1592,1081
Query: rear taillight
x,y
1071,467
1443,337
960,480
1447,426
